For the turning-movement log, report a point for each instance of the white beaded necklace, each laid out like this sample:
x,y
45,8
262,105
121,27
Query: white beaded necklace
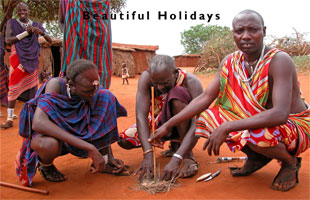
x,y
25,25
256,66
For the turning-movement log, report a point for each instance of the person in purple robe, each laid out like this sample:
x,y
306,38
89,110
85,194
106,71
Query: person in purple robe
x,y
22,34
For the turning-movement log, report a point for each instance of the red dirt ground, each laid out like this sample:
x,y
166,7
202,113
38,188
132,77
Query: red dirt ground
x,y
81,184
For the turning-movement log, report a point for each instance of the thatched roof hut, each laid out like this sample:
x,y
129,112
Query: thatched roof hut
x,y
136,57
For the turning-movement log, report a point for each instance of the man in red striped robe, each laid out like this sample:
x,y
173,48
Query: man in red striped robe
x,y
87,35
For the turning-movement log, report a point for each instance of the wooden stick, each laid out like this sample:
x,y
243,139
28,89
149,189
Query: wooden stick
x,y
153,131
28,189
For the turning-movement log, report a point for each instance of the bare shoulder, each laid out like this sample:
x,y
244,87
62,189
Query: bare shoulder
x,y
281,63
193,84
144,82
52,86
144,78
191,78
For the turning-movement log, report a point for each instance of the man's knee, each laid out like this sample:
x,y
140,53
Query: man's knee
x,y
125,144
177,106
47,145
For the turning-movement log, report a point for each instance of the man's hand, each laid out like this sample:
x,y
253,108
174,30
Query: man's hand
x,y
216,139
171,170
98,160
37,30
146,167
29,29
118,165
159,133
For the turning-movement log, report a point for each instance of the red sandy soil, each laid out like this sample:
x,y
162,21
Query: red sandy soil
x,y
82,184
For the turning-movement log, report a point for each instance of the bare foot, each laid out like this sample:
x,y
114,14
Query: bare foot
x,y
111,169
173,147
250,166
287,177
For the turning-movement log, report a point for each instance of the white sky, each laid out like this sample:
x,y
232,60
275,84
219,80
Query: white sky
x,y
279,16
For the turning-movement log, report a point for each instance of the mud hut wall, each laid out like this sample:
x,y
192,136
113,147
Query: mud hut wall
x,y
46,60
182,61
142,60
118,57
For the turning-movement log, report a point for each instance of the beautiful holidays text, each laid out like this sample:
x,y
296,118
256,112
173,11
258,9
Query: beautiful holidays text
x,y
160,15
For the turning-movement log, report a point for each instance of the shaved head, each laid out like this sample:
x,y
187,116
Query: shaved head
x,y
162,63
22,4
248,11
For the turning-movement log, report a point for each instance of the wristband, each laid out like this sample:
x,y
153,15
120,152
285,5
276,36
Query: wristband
x,y
22,35
43,34
177,156
147,151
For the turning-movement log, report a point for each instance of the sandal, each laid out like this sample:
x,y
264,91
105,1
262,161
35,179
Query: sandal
x,y
7,124
288,177
50,173
189,170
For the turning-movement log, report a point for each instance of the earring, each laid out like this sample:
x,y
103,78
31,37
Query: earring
x,y
68,90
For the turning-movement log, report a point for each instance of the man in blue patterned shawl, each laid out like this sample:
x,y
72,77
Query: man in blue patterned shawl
x,y
73,115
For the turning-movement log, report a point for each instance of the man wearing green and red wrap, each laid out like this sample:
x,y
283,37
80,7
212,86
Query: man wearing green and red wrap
x,y
258,107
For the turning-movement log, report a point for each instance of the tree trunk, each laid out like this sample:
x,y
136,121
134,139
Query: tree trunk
x,y
8,10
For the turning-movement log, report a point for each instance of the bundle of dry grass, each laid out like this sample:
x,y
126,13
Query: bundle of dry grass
x,y
155,187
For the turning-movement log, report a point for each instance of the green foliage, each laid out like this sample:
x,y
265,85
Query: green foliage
x,y
302,63
43,10
194,38
214,50
53,29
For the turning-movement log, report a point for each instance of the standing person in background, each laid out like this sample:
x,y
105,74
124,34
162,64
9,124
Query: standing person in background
x,y
125,73
22,34
87,34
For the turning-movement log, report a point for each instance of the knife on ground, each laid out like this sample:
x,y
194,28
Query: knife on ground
x,y
213,175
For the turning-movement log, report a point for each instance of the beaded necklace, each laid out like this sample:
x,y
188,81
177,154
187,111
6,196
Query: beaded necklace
x,y
256,66
25,25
